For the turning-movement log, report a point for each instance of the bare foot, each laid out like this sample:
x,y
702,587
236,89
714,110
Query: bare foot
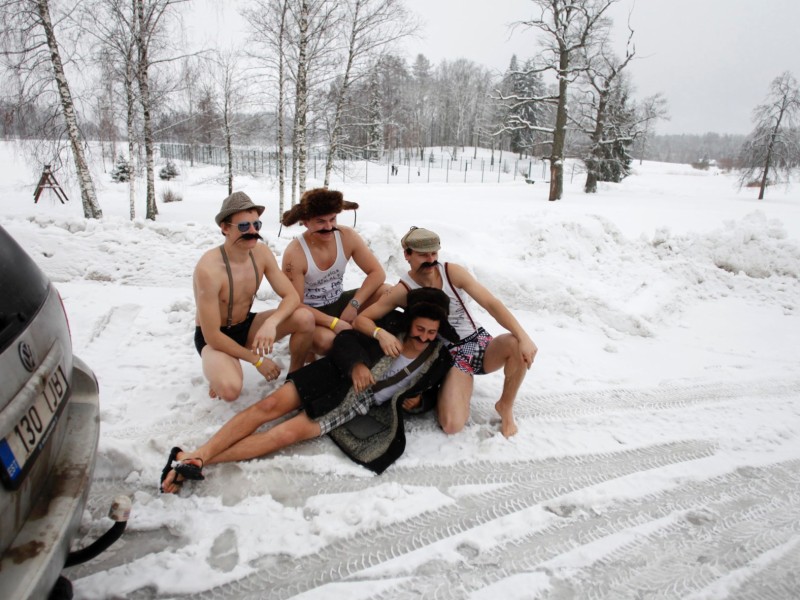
x,y
508,426
173,481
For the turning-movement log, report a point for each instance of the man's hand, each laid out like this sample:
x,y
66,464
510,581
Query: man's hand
x,y
412,403
362,377
528,350
390,345
264,339
341,325
349,314
269,369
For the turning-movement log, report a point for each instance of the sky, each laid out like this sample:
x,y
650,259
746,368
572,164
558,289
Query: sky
x,y
713,60
659,427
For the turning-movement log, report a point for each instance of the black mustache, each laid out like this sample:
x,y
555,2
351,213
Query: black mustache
x,y
420,340
331,230
427,265
250,236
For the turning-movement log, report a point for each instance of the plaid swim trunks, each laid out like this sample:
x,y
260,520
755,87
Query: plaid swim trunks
x,y
468,353
345,412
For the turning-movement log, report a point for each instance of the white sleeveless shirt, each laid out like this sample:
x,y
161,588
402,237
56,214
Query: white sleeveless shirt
x,y
459,318
324,287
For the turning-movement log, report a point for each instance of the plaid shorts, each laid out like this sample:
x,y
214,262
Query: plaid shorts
x,y
345,412
468,353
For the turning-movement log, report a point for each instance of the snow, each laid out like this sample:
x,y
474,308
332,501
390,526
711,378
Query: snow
x,y
665,309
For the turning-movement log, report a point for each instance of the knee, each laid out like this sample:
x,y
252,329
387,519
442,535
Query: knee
x,y
451,424
228,391
303,320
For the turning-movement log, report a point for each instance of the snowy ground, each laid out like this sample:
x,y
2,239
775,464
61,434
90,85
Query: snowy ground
x,y
658,453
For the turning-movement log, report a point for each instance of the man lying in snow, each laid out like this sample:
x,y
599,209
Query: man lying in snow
x,y
355,380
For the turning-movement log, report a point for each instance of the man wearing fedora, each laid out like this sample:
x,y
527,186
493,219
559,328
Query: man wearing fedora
x,y
315,263
476,352
225,283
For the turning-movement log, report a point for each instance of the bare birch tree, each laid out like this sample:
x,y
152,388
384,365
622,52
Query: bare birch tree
x,y
113,24
369,25
29,46
570,29
773,146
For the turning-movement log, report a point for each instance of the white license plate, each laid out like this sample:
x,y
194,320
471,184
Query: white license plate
x,y
21,445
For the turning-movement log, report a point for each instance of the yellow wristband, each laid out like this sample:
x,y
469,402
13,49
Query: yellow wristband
x,y
375,333
333,323
259,362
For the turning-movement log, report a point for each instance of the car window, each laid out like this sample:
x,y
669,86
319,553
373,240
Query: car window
x,y
24,289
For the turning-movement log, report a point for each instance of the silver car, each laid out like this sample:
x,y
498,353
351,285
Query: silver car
x,y
49,429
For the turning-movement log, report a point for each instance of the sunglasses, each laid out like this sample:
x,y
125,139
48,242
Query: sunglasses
x,y
244,226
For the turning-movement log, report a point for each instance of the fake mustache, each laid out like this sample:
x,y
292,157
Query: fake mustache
x,y
420,340
427,265
331,230
250,236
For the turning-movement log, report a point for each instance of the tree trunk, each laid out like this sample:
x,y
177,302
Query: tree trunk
x,y
91,210
144,99
560,132
281,141
768,160
130,101
301,117
226,123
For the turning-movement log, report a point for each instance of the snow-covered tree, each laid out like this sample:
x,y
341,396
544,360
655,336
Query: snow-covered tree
x,y
773,147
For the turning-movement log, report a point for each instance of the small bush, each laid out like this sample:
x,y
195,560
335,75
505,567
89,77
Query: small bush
x,y
122,170
169,196
168,171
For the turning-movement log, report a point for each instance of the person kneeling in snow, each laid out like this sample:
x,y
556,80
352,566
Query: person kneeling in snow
x,y
356,394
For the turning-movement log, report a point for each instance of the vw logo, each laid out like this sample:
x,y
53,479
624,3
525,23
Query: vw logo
x,y
27,357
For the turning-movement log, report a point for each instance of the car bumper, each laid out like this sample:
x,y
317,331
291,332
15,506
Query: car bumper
x,y
32,564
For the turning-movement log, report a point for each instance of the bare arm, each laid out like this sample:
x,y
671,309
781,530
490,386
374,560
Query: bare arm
x,y
365,322
290,301
367,262
463,279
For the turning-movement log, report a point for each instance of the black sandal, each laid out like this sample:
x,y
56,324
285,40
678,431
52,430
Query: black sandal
x,y
173,456
190,471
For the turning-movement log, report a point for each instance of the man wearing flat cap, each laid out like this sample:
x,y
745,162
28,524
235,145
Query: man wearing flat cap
x,y
476,352
315,263
225,283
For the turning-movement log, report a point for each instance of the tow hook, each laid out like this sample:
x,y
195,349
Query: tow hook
x,y
119,512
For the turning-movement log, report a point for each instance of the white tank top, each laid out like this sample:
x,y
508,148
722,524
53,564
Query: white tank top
x,y
324,287
397,365
459,318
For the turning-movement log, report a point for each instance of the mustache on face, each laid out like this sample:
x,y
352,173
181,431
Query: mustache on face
x,y
427,265
420,340
250,236
331,230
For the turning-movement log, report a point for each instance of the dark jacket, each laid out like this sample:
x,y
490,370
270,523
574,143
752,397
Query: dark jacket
x,y
377,439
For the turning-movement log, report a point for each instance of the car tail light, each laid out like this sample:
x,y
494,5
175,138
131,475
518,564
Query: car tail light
x,y
66,316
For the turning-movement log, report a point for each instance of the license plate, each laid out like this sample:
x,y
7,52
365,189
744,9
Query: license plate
x,y
18,450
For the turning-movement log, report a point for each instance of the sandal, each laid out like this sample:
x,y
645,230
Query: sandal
x,y
173,455
190,471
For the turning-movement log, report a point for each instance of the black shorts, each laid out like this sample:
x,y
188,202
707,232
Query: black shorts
x,y
238,333
334,309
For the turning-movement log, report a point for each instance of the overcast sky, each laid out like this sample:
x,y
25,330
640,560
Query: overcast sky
x,y
712,59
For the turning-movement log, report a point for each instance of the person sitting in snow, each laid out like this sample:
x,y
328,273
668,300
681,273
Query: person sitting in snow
x,y
476,352
356,380
315,263
225,282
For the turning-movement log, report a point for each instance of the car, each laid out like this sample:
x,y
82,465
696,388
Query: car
x,y
49,429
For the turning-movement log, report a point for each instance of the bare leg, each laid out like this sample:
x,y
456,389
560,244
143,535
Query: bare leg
x,y
503,351
300,325
452,407
223,372
296,429
241,426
